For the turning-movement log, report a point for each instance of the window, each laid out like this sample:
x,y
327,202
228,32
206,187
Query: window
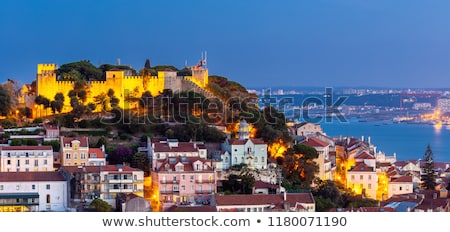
x,y
8,162
75,156
400,188
45,162
361,177
183,187
17,187
183,177
135,177
174,178
353,177
135,187
370,177
83,156
48,198
33,186
1,187
36,163
47,187
18,163
68,156
27,162
369,186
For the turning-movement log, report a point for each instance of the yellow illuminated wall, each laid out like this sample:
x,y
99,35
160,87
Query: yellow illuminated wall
x,y
123,86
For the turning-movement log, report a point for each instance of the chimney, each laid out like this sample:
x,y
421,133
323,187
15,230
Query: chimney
x,y
368,139
362,138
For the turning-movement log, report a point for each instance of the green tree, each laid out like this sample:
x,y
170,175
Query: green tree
x,y
16,142
299,167
54,143
429,176
100,205
5,102
140,161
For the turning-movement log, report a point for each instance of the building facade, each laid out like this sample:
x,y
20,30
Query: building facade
x,y
105,182
187,180
74,151
33,192
26,158
244,150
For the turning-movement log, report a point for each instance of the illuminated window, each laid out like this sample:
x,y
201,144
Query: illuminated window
x,y
361,177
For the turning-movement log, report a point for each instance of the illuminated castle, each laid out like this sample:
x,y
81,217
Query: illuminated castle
x,y
123,85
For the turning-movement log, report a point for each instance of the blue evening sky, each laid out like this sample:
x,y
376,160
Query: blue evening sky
x,y
259,43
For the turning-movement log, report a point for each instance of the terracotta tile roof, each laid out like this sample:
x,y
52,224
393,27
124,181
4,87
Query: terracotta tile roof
x,y
182,147
26,148
315,142
402,179
364,155
30,176
384,164
363,209
83,141
186,161
97,151
182,208
244,141
260,184
264,199
97,169
50,127
361,167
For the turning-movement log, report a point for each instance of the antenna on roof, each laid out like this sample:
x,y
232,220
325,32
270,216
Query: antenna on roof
x,y
118,61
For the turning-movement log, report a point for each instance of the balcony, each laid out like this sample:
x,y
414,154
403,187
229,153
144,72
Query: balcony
x,y
169,181
206,181
199,191
120,190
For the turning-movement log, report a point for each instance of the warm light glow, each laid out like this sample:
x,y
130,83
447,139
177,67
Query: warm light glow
x,y
382,188
277,149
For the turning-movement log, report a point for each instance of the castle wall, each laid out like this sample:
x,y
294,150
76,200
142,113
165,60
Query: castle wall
x,y
48,86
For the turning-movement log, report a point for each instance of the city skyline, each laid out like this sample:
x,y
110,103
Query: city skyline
x,y
398,44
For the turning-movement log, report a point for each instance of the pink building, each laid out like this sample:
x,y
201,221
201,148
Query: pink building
x,y
183,180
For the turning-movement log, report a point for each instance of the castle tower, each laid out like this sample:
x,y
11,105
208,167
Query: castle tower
x,y
244,130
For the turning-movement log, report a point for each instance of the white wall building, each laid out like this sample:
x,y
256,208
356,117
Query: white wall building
x,y
161,149
363,179
26,158
33,191
244,150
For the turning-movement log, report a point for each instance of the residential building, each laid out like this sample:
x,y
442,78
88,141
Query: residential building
x,y
163,148
307,128
26,158
96,157
244,150
51,132
363,179
105,182
186,180
33,191
74,151
284,202
400,185
323,160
